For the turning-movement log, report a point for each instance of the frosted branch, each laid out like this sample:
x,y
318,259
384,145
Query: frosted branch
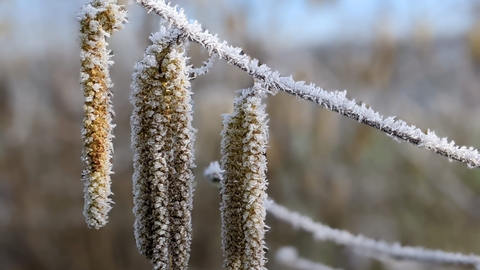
x,y
335,101
324,233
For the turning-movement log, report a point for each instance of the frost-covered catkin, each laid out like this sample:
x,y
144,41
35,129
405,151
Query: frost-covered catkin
x,y
98,19
162,139
244,184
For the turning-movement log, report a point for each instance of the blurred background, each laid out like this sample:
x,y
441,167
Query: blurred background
x,y
418,60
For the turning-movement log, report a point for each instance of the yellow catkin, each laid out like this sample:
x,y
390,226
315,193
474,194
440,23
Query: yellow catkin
x,y
162,139
98,20
244,184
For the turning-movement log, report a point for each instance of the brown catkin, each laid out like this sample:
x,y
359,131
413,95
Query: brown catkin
x,y
98,20
244,184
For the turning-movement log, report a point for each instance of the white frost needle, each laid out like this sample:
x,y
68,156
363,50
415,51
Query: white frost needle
x,y
335,101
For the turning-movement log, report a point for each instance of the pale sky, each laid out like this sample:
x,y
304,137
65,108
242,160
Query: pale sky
x,y
33,24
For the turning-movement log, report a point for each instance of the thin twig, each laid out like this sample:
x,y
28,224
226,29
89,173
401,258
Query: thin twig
x,y
195,72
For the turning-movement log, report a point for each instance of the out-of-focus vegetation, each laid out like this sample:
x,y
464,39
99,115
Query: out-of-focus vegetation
x,y
321,164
